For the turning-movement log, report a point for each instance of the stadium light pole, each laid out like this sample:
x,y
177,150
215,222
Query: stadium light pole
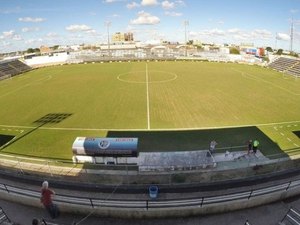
x,y
107,24
186,23
292,35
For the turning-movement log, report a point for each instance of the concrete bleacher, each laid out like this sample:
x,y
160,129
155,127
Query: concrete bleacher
x,y
292,217
4,218
12,68
286,65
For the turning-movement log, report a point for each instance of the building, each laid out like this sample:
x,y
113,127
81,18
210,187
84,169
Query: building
x,y
122,37
45,50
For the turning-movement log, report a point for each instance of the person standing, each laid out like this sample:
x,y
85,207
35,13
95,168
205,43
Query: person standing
x,y
212,146
255,145
250,146
46,200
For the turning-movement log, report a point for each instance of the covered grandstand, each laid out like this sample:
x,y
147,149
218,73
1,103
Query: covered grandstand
x,y
289,66
10,68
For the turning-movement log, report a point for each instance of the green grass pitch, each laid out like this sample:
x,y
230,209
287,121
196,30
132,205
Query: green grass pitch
x,y
147,98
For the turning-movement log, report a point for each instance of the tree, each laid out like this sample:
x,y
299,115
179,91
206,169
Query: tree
x,y
190,42
269,49
30,50
294,54
55,47
234,51
279,52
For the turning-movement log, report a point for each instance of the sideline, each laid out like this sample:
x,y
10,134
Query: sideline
x,y
143,129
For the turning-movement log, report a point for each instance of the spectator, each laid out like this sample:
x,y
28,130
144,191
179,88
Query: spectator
x,y
46,199
212,146
35,222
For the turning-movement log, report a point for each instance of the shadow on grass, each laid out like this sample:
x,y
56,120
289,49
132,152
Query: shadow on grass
x,y
227,139
297,133
5,139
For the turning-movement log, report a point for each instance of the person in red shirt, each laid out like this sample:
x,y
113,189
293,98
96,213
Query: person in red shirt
x,y
46,199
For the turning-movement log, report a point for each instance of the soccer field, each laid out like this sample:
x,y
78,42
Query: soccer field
x,y
47,108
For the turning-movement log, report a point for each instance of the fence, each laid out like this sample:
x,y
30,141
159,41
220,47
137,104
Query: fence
x,y
126,174
157,204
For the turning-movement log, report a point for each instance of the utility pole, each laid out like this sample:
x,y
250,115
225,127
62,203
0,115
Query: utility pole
x,y
186,23
107,24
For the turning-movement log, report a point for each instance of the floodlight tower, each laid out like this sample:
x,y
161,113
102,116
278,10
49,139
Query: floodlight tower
x,y
292,35
107,24
276,37
186,23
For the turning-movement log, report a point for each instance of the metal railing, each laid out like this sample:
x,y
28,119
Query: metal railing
x,y
157,204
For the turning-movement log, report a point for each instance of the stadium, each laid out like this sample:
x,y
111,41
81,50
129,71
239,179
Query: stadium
x,y
174,108
149,131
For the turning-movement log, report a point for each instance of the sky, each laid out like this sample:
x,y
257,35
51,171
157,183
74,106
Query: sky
x,y
32,23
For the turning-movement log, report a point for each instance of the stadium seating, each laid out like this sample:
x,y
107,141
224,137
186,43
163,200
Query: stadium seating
x,y
12,68
286,65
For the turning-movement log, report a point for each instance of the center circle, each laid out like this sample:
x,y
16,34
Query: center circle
x,y
154,76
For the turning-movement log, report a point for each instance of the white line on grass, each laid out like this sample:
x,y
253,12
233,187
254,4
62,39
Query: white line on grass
x,y
141,129
148,102
248,75
26,85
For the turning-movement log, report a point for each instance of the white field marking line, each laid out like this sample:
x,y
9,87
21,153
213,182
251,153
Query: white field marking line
x,y
250,76
142,82
5,82
148,99
142,129
21,157
16,130
282,134
26,85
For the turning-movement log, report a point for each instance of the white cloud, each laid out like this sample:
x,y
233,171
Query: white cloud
x,y
168,13
17,37
212,32
145,18
30,29
51,35
5,44
32,20
113,1
167,5
149,2
115,15
242,37
282,36
78,28
8,34
92,32
234,31
261,34
294,11
132,5
234,34
34,41
180,2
